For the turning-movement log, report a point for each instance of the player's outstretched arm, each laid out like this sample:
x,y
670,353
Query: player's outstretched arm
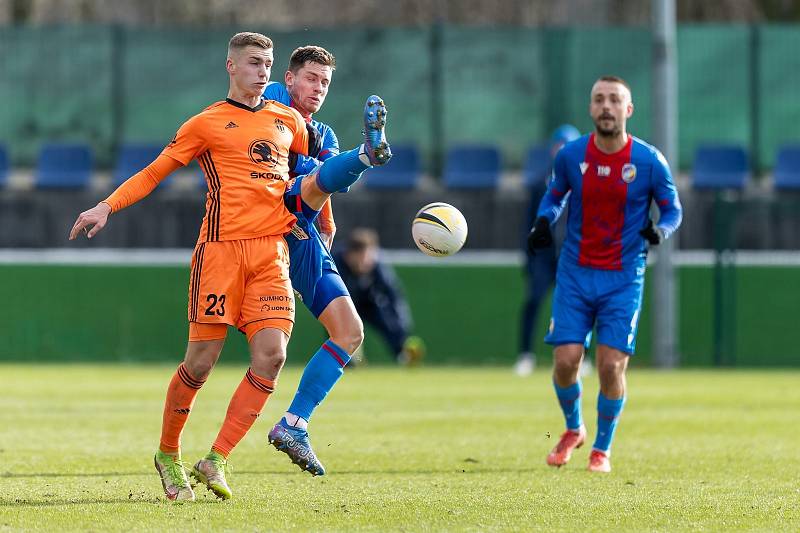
x,y
134,189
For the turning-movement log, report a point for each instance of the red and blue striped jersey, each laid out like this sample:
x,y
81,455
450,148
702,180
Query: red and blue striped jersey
x,y
330,143
609,201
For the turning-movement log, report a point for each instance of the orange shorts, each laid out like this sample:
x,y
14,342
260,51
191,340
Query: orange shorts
x,y
239,283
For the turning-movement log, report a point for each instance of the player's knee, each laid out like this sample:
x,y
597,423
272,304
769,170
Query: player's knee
x,y
566,370
610,370
268,361
351,336
567,360
199,368
200,359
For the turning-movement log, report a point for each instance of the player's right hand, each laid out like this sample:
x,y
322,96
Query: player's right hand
x,y
540,235
91,221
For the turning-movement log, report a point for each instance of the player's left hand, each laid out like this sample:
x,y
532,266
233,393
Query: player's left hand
x,y
652,233
327,238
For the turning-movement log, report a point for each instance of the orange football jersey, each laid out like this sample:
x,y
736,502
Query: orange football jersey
x,y
244,155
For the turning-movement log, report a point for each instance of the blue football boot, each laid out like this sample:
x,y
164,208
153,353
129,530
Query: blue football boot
x,y
294,443
376,147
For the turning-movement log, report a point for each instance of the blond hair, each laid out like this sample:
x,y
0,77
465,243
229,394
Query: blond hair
x,y
249,38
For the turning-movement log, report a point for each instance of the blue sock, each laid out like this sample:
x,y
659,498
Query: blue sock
x,y
340,171
608,412
320,375
569,398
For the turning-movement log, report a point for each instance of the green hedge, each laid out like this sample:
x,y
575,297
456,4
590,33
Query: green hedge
x,y
467,315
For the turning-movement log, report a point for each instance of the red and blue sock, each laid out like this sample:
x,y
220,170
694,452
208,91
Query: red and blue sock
x,y
340,171
569,398
608,412
320,375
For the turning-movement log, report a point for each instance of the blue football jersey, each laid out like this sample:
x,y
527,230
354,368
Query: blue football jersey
x,y
330,143
609,201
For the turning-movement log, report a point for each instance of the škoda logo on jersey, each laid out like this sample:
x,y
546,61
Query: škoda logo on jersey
x,y
265,153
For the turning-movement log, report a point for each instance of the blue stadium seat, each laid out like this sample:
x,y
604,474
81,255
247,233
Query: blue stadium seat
x,y
3,166
401,172
134,157
720,167
787,168
537,165
64,166
472,167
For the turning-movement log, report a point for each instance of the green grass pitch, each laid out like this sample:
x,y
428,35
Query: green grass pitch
x,y
440,449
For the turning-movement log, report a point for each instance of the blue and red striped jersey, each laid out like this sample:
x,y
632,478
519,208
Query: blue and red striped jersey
x,y
330,143
609,201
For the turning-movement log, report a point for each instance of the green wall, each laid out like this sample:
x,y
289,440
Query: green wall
x,y
444,85
467,315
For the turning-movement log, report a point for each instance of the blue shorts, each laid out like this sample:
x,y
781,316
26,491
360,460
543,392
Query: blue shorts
x,y
583,297
315,279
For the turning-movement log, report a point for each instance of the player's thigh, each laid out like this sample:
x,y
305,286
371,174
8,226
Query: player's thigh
x,y
619,312
341,320
268,297
572,315
216,283
330,290
313,271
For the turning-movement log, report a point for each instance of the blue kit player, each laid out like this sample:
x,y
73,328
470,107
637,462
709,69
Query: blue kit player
x,y
540,267
608,178
312,270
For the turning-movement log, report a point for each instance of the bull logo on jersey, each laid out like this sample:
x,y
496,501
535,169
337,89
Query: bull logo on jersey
x,y
628,172
264,152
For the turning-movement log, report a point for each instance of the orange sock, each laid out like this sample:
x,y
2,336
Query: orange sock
x,y
180,398
246,404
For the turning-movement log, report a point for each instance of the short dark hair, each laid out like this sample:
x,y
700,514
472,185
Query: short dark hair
x,y
614,79
362,239
249,38
315,54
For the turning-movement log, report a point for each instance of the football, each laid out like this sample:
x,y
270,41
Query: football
x,y
439,229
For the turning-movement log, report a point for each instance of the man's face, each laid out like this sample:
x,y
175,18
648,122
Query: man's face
x,y
309,86
362,261
610,107
250,69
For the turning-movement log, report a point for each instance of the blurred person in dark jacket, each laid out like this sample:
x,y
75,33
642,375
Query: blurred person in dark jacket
x,y
378,295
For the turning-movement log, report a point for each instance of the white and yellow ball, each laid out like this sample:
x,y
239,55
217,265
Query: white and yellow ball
x,y
439,229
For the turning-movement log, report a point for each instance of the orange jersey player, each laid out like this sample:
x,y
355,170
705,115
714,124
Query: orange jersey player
x,y
240,266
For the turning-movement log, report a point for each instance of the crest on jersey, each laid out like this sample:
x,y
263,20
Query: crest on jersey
x,y
264,152
628,172
299,233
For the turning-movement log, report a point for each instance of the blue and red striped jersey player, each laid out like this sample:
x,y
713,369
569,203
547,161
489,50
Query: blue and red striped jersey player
x,y
608,179
312,270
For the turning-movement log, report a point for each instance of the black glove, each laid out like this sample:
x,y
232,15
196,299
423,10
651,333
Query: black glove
x,y
540,236
652,233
